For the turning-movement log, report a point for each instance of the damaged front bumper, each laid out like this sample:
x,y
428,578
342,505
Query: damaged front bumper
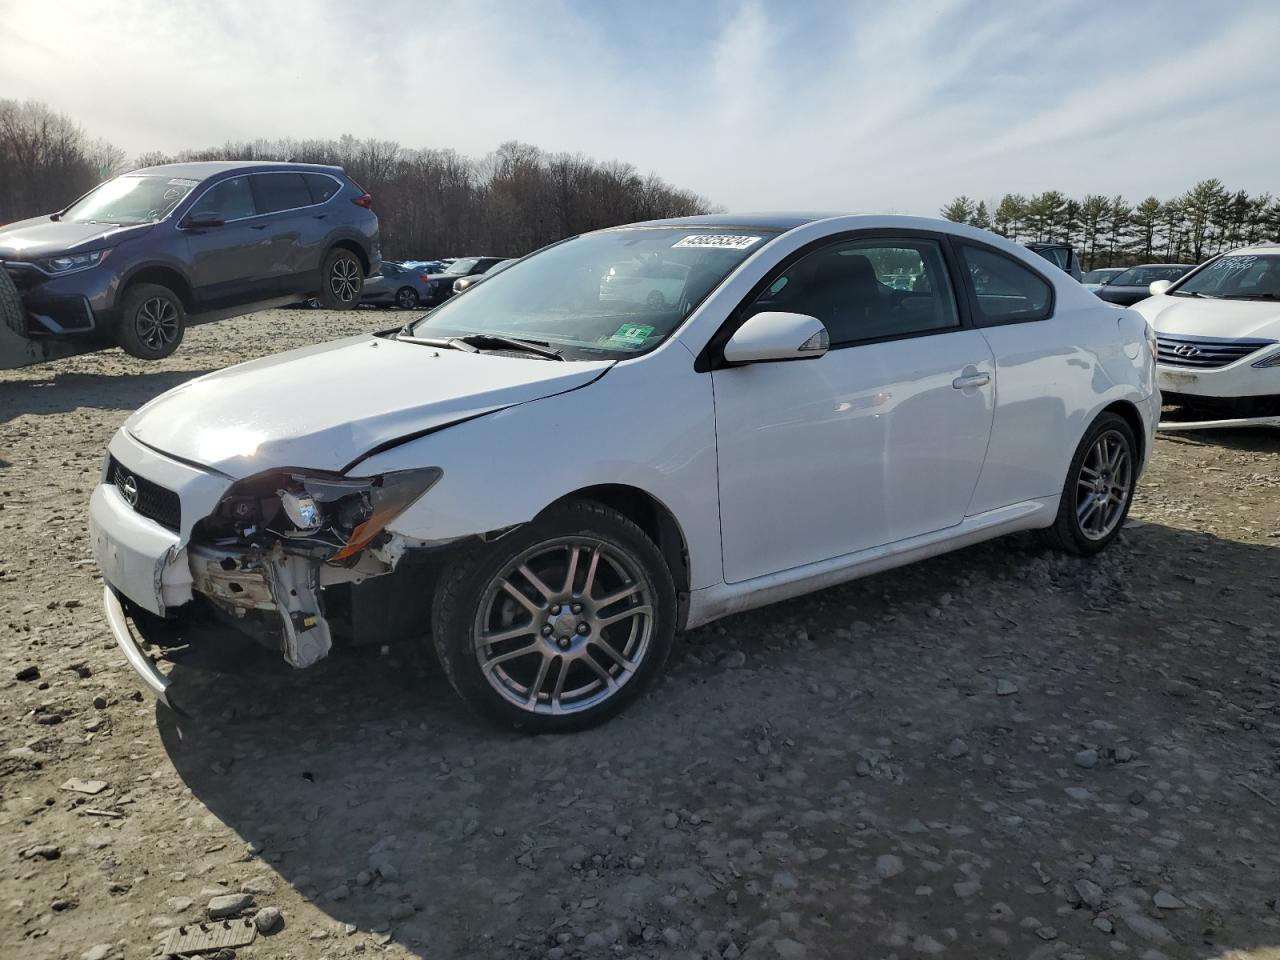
x,y
166,533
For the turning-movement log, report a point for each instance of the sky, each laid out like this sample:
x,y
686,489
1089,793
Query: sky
x,y
757,105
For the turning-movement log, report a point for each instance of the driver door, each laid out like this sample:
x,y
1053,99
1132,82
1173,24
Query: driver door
x,y
880,439
229,262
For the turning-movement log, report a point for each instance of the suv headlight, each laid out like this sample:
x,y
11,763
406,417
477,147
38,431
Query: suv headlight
x,y
72,262
329,511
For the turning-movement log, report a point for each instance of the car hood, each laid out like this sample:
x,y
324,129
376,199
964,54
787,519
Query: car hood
x,y
42,237
326,406
1194,317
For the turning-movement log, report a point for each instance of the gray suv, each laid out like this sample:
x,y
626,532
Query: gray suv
x,y
139,257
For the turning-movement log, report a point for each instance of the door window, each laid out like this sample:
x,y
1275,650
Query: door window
x,y
1006,291
868,289
280,191
231,200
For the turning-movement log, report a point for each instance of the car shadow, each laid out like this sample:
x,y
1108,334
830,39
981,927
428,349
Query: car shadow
x,y
64,392
1249,439
813,725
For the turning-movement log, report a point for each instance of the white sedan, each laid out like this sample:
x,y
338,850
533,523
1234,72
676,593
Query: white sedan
x,y
1219,332
552,484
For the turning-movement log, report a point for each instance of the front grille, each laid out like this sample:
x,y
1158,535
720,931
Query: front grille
x,y
1204,352
153,501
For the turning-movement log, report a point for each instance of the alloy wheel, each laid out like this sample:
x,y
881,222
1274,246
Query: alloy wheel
x,y
564,626
157,323
344,279
1104,485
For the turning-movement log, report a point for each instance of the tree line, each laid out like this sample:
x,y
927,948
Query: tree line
x,y
1110,231
430,202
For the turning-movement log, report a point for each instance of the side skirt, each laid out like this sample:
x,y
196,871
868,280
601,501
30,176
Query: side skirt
x,y
712,603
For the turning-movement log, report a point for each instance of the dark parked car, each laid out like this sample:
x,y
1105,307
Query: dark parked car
x,y
1131,286
466,283
139,257
440,288
396,285
1101,276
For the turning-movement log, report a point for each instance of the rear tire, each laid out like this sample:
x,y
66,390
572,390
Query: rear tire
x,y
559,625
152,321
341,280
407,298
1098,491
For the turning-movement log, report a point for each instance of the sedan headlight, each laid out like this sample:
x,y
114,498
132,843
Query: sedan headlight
x,y
72,262
331,512
1271,361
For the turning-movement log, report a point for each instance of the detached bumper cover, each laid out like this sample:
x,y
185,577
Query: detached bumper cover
x,y
143,666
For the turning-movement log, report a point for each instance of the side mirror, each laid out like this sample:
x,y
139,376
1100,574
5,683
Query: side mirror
x,y
201,221
1159,287
778,336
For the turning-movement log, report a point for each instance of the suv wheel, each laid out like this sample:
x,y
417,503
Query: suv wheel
x,y
152,321
1099,488
558,625
343,279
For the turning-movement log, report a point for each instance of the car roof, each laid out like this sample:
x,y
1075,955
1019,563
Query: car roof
x,y
750,221
203,169
1265,246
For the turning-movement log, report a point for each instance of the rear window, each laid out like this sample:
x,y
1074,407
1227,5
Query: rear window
x,y
280,191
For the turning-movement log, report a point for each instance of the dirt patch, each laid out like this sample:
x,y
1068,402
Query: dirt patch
x,y
999,753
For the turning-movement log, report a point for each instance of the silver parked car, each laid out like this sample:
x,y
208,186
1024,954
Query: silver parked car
x,y
465,283
396,285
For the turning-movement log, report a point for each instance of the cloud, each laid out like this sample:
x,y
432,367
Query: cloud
x,y
758,105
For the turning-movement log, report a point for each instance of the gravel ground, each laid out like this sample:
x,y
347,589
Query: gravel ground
x,y
999,753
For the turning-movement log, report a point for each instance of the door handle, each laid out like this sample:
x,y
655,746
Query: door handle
x,y
258,226
974,380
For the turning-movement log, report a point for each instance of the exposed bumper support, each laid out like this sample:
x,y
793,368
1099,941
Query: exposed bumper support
x,y
118,623
1169,426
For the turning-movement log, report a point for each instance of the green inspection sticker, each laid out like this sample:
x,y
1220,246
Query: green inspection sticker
x,y
632,336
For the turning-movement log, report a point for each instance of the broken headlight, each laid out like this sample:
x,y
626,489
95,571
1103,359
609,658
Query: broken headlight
x,y
327,510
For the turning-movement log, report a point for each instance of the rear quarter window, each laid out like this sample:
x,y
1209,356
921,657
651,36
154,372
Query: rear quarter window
x,y
1005,291
322,187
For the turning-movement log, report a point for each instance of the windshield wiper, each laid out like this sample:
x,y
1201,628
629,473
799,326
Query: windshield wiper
x,y
1251,296
448,343
481,340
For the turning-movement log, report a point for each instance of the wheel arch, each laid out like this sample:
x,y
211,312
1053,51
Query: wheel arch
x,y
346,243
1128,411
165,277
657,521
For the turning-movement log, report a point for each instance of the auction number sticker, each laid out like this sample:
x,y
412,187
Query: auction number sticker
x,y
717,241
631,335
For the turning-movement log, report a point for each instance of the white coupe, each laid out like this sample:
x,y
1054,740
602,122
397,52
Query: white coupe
x,y
1219,332
550,483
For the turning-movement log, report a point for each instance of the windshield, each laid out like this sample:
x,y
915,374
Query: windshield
x,y
1143,276
1237,276
614,293
462,266
131,200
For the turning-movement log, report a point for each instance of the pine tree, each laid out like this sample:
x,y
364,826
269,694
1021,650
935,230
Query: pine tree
x,y
981,219
1119,215
1011,214
959,210
1147,217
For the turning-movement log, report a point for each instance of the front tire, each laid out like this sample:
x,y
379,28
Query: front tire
x,y
1099,489
152,321
559,625
342,280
